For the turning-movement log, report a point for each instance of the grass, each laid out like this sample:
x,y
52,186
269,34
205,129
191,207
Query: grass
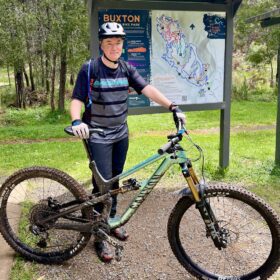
x,y
147,132
67,156
22,270
249,165
40,123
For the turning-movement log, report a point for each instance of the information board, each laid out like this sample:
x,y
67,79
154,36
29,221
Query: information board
x,y
182,53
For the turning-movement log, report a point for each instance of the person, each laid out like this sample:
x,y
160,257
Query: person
x,y
102,87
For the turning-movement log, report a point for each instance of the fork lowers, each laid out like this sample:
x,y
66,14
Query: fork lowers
x,y
219,236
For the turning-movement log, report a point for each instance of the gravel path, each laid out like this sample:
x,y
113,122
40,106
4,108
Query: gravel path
x,y
147,254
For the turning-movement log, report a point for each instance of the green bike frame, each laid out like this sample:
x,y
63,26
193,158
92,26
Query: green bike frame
x,y
179,157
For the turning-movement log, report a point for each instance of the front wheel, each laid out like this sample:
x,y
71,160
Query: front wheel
x,y
25,200
252,231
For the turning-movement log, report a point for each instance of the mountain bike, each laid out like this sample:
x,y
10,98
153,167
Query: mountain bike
x,y
215,231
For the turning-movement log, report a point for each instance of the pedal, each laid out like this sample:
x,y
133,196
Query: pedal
x,y
131,185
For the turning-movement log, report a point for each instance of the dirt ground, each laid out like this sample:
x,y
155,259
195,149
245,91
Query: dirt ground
x,y
146,255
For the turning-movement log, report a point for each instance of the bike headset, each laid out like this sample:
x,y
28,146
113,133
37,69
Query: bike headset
x,y
107,30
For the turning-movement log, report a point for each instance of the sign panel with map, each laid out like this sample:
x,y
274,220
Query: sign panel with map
x,y
187,55
179,52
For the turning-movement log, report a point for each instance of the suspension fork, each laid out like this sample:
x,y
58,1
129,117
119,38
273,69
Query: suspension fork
x,y
202,204
191,179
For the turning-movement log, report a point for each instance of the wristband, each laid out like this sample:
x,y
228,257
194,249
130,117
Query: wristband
x,y
172,106
76,122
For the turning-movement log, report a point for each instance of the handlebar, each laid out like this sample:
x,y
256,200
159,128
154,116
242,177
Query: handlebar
x,y
168,145
174,140
100,131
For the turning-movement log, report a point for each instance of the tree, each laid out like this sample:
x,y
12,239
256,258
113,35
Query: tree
x,y
35,35
12,43
259,45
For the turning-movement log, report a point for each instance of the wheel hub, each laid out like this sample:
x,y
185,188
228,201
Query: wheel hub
x,y
224,237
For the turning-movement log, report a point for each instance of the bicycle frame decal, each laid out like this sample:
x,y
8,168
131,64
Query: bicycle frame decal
x,y
145,191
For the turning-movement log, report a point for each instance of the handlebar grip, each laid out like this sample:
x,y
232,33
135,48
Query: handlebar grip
x,y
164,148
68,130
168,145
100,131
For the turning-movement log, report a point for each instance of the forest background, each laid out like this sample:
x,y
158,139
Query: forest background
x,y
44,43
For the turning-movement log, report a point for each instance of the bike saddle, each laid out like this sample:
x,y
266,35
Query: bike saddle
x,y
103,184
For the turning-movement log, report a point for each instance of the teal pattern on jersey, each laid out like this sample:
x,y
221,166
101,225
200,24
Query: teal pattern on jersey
x,y
111,83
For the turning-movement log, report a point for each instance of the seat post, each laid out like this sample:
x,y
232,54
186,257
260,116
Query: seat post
x,y
86,145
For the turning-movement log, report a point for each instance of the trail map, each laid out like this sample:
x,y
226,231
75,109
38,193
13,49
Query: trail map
x,y
187,56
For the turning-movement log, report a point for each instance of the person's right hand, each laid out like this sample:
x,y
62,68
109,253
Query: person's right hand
x,y
80,129
178,115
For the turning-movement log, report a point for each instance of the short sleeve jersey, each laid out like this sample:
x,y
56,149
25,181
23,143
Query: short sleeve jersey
x,y
109,98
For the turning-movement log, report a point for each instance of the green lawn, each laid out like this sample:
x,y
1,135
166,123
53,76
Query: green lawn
x,y
40,123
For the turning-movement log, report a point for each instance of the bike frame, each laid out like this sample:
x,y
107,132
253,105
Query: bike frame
x,y
178,157
171,153
146,186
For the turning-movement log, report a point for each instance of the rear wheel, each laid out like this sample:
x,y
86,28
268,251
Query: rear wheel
x,y
252,231
25,200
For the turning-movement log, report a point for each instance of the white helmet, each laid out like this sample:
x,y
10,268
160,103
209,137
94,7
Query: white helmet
x,y
111,29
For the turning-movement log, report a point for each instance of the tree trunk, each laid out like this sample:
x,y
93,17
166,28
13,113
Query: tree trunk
x,y
42,67
72,79
31,76
20,102
29,56
48,54
271,75
26,77
62,80
53,82
47,73
8,71
277,77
